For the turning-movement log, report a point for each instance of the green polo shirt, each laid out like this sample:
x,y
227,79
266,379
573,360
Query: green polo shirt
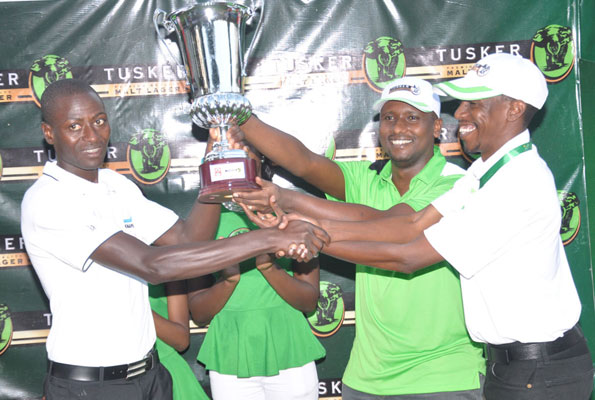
x,y
410,334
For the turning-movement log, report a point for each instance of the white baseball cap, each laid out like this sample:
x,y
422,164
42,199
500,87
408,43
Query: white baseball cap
x,y
414,91
499,74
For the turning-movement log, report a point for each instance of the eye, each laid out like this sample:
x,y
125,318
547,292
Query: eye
x,y
412,118
100,121
388,117
74,127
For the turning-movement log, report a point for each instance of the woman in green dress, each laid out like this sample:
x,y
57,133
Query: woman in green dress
x,y
259,344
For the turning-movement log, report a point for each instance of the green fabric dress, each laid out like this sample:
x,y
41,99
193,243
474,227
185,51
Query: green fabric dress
x,y
257,333
185,383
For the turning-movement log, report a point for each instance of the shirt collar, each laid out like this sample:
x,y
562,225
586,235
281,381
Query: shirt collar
x,y
479,166
56,172
427,172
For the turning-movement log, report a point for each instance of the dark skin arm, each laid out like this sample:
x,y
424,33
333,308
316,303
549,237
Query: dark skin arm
x,y
288,152
315,207
174,330
301,290
175,262
206,297
407,258
407,251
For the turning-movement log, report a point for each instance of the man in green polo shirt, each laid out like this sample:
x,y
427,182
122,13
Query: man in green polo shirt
x,y
411,341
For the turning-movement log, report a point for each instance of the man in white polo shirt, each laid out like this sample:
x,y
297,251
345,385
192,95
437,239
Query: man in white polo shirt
x,y
500,228
89,233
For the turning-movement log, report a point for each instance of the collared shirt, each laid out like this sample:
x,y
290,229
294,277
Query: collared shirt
x,y
100,317
410,330
504,239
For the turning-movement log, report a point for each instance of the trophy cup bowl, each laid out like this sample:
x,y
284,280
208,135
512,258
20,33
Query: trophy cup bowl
x,y
211,37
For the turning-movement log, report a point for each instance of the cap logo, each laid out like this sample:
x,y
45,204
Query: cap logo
x,y
481,69
414,89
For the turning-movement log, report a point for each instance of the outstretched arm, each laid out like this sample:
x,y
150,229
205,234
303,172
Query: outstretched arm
x,y
126,253
407,258
291,154
315,207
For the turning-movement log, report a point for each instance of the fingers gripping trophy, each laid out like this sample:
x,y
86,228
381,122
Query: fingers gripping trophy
x,y
211,38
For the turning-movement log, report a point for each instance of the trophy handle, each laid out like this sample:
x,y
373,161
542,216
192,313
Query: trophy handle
x,y
159,19
246,56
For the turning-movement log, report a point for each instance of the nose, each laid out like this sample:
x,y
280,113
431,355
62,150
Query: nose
x,y
462,110
90,133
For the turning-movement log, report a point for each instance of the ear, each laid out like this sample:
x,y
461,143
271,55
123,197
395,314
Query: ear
x,y
48,132
437,127
516,110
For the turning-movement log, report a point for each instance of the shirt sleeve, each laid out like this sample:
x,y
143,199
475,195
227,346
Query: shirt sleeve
x,y
70,236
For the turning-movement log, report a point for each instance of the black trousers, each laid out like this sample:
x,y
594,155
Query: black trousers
x,y
154,385
567,375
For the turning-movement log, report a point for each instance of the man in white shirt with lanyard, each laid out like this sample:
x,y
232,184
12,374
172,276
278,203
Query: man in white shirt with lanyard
x,y
95,240
500,228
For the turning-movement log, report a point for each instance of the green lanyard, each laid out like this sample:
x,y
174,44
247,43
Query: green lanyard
x,y
500,163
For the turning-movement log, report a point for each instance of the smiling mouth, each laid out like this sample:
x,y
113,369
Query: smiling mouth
x,y
401,142
466,129
93,151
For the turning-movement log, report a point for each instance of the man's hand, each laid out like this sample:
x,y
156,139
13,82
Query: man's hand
x,y
236,138
259,200
265,220
301,240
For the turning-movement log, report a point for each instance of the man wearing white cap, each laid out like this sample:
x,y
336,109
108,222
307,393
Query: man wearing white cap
x,y
499,227
411,341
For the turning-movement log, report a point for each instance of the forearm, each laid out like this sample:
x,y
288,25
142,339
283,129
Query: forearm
x,y
318,208
157,264
399,224
205,304
172,333
291,154
406,258
299,294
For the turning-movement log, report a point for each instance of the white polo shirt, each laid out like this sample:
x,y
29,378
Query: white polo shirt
x,y
504,239
100,317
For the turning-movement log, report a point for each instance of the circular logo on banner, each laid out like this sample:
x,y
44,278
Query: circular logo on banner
x,y
5,328
45,71
330,311
552,50
384,61
149,156
571,216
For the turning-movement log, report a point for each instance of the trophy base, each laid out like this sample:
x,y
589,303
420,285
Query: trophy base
x,y
221,178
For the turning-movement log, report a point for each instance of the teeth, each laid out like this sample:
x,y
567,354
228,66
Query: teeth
x,y
400,142
466,129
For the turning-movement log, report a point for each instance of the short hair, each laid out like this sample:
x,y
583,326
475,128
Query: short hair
x,y
50,99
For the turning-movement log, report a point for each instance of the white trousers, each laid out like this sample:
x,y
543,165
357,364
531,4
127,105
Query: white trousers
x,y
300,383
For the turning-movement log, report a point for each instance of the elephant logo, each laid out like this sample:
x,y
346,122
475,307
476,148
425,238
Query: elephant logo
x,y
6,328
45,71
384,61
552,50
330,311
571,216
149,156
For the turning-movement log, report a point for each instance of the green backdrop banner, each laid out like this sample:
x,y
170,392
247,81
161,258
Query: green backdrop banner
x,y
314,69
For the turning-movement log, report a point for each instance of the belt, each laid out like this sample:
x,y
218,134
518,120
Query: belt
x,y
505,353
94,374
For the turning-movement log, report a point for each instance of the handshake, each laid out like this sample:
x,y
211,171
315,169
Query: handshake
x,y
305,234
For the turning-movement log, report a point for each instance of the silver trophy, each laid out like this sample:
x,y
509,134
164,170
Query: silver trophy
x,y
211,40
